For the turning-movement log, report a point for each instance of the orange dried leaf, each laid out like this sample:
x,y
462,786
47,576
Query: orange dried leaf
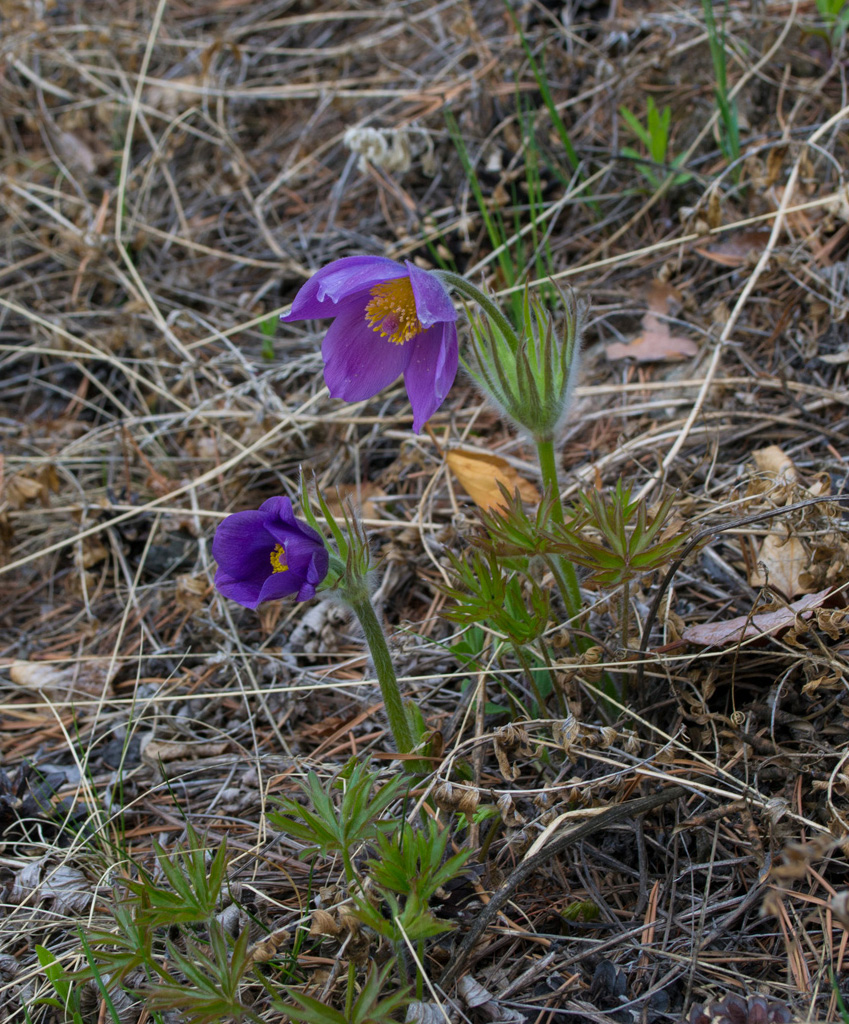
x,y
480,473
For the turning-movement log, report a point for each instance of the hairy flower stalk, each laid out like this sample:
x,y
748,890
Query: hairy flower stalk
x,y
351,571
385,671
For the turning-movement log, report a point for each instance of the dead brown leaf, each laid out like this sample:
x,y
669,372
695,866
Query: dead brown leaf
x,y
155,752
191,592
60,887
21,489
736,250
76,153
732,631
772,461
480,474
656,343
782,560
175,95
87,678
90,552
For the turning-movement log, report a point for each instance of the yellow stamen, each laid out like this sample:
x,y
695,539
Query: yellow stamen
x,y
392,311
278,559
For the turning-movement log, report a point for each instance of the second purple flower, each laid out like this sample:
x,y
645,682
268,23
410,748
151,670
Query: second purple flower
x,y
389,319
267,553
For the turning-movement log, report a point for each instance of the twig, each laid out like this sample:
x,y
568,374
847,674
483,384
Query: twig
x,y
527,867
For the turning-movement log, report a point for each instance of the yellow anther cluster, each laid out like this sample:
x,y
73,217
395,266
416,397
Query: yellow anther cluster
x,y
278,559
392,311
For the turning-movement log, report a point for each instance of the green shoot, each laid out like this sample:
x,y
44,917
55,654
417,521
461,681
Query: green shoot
x,y
213,976
654,135
268,328
838,996
407,873
545,91
729,133
496,235
835,14
413,861
67,996
194,885
486,594
370,1006
510,604
124,952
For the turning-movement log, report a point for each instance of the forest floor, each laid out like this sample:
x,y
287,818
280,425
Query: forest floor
x,y
171,174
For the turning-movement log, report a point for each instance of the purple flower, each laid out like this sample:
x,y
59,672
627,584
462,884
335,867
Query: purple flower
x,y
268,553
389,319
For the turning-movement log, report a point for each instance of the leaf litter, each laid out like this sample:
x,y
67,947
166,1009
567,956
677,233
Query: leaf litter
x,y
143,397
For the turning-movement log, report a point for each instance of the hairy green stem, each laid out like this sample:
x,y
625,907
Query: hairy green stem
x,y
350,872
625,615
386,677
564,572
548,468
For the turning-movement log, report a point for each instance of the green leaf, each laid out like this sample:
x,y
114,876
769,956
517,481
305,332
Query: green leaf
x,y
636,127
312,1011
355,821
53,972
370,1007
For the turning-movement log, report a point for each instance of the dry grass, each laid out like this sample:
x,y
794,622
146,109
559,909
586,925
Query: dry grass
x,y
170,174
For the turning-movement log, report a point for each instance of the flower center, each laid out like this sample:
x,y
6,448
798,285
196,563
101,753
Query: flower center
x,y
278,559
392,311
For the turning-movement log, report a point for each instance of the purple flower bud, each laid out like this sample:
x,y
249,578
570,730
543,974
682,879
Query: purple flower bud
x,y
266,554
389,320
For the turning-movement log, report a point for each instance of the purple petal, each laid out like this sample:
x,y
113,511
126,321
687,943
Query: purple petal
x,y
243,592
241,544
431,371
308,562
344,279
433,303
279,584
299,541
358,362
286,528
278,508
315,573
